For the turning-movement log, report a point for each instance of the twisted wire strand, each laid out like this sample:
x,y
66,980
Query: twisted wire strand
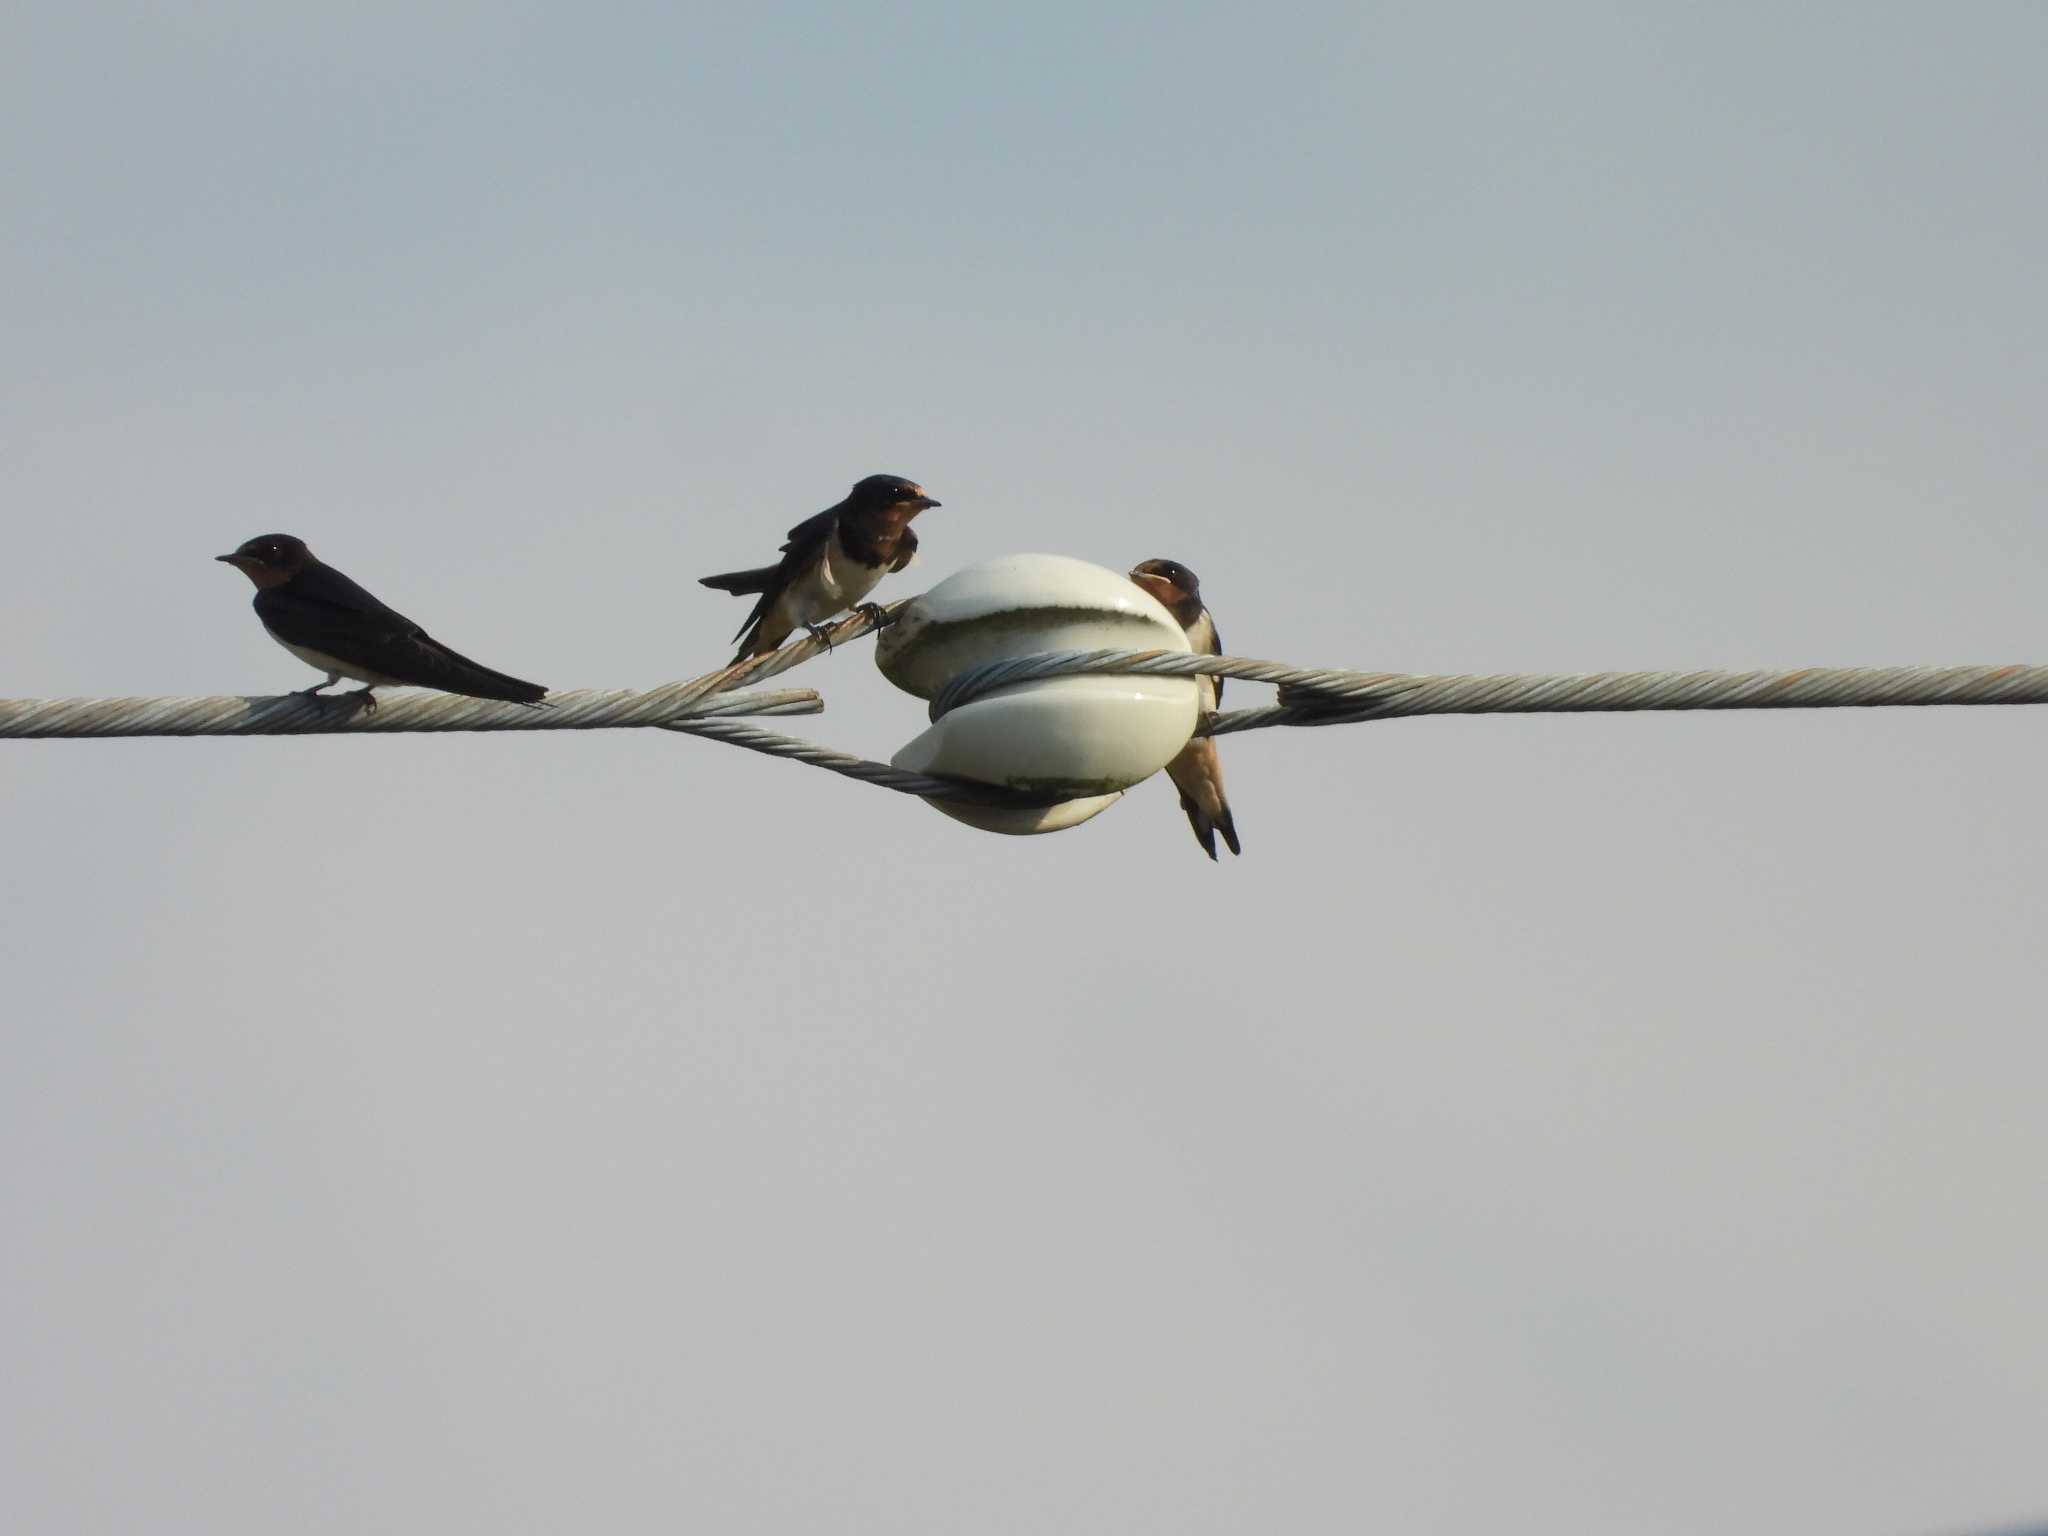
x,y
704,706
924,785
298,715
1326,696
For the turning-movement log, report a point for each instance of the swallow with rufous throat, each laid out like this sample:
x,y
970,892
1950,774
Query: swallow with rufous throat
x,y
1195,772
830,564
334,626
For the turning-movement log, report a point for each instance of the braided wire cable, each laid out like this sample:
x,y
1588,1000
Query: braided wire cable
x,y
300,715
1326,696
705,705
926,786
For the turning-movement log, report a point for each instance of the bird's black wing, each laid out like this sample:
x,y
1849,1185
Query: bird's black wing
x,y
810,536
431,664
805,541
323,610
1216,649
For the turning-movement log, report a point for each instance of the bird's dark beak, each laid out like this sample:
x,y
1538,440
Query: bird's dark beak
x,y
231,559
925,503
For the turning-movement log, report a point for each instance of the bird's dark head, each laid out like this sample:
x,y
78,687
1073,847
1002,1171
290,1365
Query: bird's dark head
x,y
1176,587
884,493
271,559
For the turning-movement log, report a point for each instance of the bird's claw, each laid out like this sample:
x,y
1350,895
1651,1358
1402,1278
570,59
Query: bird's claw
x,y
821,634
873,613
367,697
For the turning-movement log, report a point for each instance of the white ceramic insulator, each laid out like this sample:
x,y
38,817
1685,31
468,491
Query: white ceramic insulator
x,y
1083,739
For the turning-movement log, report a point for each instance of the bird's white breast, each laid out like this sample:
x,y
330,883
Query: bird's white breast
x,y
833,585
333,666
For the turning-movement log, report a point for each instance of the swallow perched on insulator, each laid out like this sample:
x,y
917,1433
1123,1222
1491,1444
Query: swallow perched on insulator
x,y
830,564
1196,771
334,626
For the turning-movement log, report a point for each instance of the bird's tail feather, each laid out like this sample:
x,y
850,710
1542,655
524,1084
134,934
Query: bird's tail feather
x,y
1206,827
453,672
741,583
483,683
1227,825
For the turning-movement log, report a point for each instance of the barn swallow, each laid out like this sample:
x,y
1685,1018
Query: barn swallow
x,y
1196,772
830,563
333,625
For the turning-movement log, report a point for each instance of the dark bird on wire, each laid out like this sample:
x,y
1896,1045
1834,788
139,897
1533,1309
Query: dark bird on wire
x,y
334,626
831,562
1196,771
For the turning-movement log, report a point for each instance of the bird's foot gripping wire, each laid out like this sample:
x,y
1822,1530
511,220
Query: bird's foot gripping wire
x,y
366,696
872,612
820,633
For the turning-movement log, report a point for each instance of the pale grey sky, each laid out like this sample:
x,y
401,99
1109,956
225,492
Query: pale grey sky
x,y
1579,1124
